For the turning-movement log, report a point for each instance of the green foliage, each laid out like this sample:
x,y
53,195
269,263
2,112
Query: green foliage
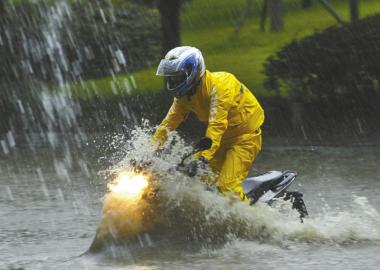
x,y
91,39
209,25
337,61
132,28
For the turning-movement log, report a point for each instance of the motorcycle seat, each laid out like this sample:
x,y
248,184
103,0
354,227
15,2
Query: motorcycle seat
x,y
266,177
263,181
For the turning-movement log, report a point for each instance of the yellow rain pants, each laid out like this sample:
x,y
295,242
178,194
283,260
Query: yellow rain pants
x,y
234,117
234,158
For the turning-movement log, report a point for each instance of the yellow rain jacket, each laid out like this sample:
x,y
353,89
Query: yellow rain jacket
x,y
234,117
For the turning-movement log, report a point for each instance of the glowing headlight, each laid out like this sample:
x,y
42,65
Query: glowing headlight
x,y
129,184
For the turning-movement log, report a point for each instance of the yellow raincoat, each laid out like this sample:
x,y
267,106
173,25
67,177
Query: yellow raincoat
x,y
234,117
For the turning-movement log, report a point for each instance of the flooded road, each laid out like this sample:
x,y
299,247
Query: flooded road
x,y
49,215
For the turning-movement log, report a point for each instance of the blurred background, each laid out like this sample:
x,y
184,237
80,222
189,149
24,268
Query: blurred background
x,y
79,66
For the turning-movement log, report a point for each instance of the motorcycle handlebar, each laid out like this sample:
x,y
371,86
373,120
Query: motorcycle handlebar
x,y
203,144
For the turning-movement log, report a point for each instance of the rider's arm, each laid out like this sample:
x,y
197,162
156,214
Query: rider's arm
x,y
220,103
176,114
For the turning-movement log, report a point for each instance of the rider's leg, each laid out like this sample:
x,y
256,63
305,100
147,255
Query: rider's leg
x,y
216,164
238,161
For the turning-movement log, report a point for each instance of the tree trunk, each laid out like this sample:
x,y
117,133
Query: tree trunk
x,y
354,10
170,11
306,4
331,10
264,13
244,15
170,23
2,8
276,14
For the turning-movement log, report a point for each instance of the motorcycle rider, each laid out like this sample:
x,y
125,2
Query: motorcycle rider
x,y
233,114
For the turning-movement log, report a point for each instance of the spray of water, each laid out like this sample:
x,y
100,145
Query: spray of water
x,y
186,211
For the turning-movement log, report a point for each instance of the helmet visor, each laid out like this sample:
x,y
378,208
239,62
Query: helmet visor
x,y
167,67
174,81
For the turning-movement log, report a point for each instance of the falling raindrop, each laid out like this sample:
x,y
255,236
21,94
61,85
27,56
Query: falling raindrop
x,y
60,196
9,192
4,147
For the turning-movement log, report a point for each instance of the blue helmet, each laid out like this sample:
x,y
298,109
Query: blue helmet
x,y
183,68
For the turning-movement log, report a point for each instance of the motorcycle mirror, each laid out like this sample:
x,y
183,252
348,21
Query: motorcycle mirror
x,y
203,144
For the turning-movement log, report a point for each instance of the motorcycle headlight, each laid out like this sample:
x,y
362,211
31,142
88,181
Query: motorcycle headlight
x,y
129,184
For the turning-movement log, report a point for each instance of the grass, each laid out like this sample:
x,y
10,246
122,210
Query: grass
x,y
210,25
245,55
120,85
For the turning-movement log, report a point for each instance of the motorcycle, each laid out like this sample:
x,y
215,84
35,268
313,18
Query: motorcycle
x,y
267,187
135,192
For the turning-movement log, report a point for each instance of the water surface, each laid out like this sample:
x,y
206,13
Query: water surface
x,y
50,209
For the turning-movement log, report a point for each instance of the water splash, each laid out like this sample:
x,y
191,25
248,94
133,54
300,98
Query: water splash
x,y
186,211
